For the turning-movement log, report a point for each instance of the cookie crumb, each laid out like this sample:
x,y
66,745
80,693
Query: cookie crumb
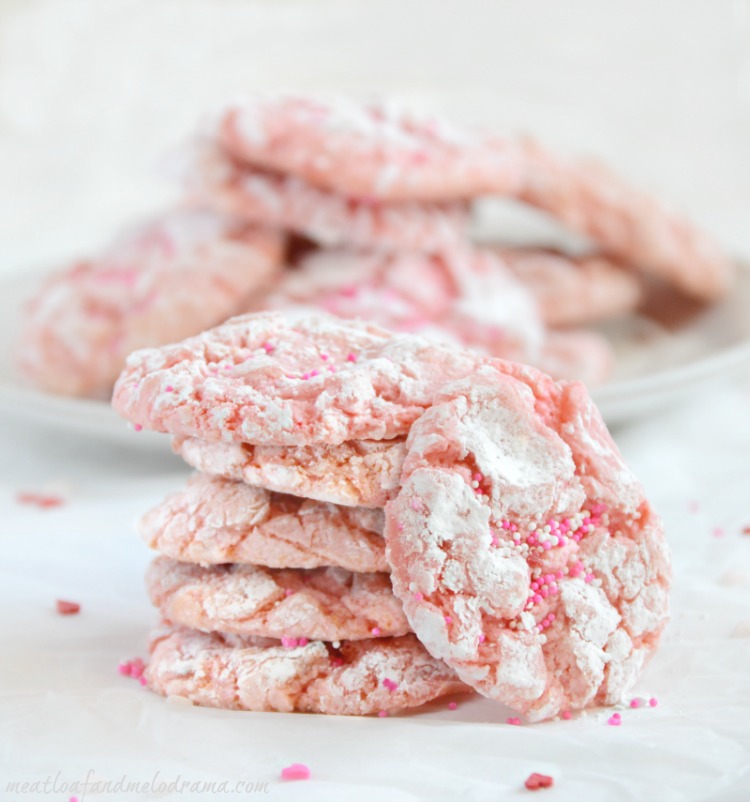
x,y
297,771
536,781
67,607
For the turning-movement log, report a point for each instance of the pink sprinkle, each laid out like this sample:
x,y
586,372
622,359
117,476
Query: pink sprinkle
x,y
124,668
482,637
39,500
536,598
448,619
138,427
287,642
415,504
297,771
634,703
73,799
653,701
536,781
717,531
142,680
324,357
267,347
513,721
588,578
351,357
288,592
400,526
303,641
375,631
383,714
169,389
567,715
615,720
477,477
136,668
418,596
452,706
67,607
390,684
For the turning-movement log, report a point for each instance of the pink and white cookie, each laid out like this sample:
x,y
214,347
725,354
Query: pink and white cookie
x,y
368,151
573,291
358,679
625,222
215,521
465,295
274,380
181,273
357,473
321,603
328,218
523,548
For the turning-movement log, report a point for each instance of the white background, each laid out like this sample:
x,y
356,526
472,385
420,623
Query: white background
x,y
92,93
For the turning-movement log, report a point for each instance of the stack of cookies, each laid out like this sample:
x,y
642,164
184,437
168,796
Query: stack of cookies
x,y
369,213
380,519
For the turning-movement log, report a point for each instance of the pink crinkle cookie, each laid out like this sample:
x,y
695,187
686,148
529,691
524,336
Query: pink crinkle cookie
x,y
171,278
368,151
328,218
358,473
523,548
215,520
324,603
463,294
359,678
572,291
271,379
625,222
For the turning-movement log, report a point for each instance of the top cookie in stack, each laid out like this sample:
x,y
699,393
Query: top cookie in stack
x,y
523,554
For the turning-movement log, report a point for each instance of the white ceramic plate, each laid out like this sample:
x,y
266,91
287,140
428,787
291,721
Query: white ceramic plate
x,y
661,357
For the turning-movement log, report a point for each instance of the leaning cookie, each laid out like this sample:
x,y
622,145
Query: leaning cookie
x,y
271,379
358,679
215,520
357,473
169,279
321,603
523,548
328,218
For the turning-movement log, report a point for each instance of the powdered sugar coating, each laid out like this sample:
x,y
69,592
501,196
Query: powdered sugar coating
x,y
358,473
368,151
523,548
250,674
572,291
168,279
320,603
328,218
273,380
464,294
215,520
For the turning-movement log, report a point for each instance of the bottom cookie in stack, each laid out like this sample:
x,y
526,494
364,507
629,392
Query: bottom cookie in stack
x,y
315,628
